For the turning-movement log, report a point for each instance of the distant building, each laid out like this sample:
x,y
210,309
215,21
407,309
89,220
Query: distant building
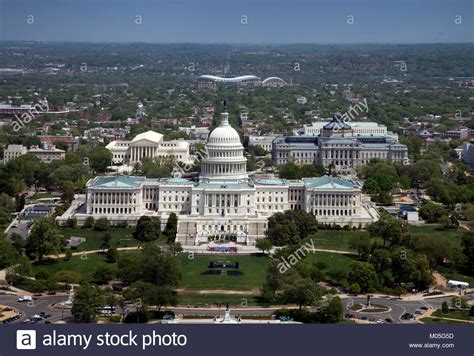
x,y
211,81
70,141
301,100
273,82
468,153
359,128
409,213
47,154
149,144
338,147
13,151
200,133
265,142
456,134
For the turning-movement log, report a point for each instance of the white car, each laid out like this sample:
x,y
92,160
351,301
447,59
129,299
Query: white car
x,y
25,298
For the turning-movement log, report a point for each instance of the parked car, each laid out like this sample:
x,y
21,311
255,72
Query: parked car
x,y
407,316
25,298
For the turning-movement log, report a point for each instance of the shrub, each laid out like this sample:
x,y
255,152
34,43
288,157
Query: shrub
x,y
71,223
102,224
122,225
89,223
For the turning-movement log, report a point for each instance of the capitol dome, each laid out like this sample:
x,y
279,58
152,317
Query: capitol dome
x,y
224,133
225,160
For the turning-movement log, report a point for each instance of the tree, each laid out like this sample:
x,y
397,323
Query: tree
x,y
159,267
175,248
303,292
147,229
264,245
332,312
68,191
468,251
362,245
8,254
104,273
102,224
150,294
100,159
89,222
88,299
364,275
43,239
388,228
71,223
68,277
445,307
105,241
432,212
171,227
354,288
111,256
129,269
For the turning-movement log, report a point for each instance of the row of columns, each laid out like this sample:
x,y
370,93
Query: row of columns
x,y
109,198
332,200
223,200
341,154
224,168
138,152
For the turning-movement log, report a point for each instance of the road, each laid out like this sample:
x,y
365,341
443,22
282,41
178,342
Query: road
x,y
39,304
398,307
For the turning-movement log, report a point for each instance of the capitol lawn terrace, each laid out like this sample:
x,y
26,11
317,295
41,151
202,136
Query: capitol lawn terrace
x,y
199,286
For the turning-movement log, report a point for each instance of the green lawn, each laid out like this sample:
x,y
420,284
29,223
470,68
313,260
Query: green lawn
x,y
120,237
185,298
253,267
335,261
335,239
85,264
453,235
454,314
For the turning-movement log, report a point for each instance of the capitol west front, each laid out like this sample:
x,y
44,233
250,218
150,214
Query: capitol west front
x,y
225,202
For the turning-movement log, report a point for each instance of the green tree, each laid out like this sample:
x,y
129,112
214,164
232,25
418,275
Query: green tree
x,y
332,312
364,275
171,227
432,212
43,239
105,241
102,224
263,245
68,191
89,222
147,229
445,307
362,245
303,292
159,267
8,254
111,256
103,273
88,299
388,228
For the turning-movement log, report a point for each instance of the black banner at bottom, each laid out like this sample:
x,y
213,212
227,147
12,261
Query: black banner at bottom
x,y
153,339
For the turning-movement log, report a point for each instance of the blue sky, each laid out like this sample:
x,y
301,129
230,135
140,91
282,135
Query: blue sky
x,y
223,21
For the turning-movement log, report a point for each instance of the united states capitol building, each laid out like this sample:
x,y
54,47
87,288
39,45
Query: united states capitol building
x,y
225,201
